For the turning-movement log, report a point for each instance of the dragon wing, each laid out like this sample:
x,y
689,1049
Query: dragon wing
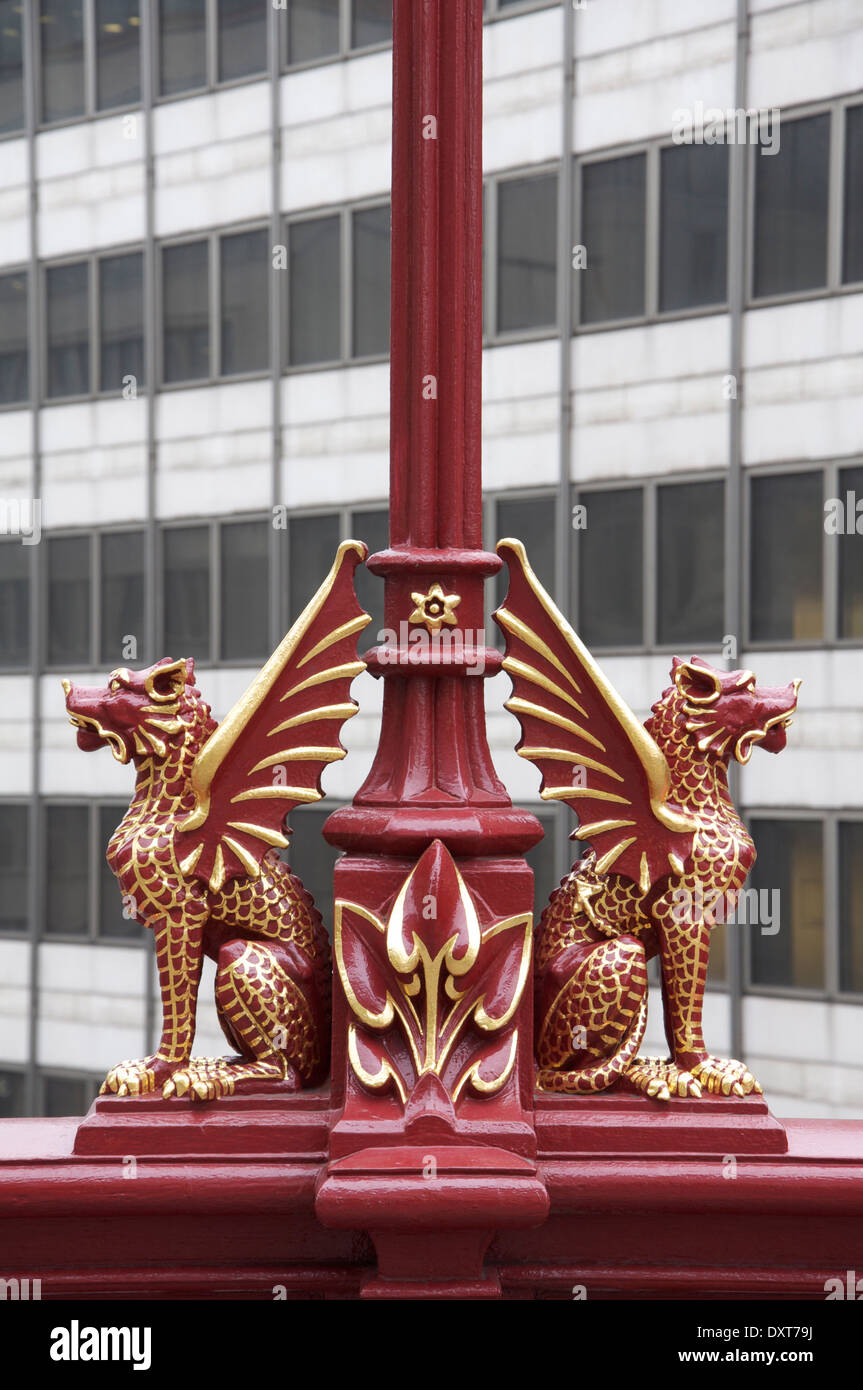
x,y
589,747
269,753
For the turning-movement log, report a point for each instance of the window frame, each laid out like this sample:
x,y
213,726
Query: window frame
x,y
212,82
829,593
345,49
24,804
345,212
92,937
212,236
493,336
94,537
91,111
22,268
92,259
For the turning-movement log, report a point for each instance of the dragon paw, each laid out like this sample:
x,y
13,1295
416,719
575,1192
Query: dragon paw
x,y
203,1078
725,1077
661,1079
139,1078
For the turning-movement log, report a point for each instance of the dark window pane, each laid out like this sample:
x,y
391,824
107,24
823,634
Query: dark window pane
x,y
186,588
68,593
372,22
313,29
61,37
14,861
691,541
242,38
313,542
245,273
11,65
113,921
527,253
373,528
13,1095
850,543
531,520
186,311
786,545
121,321
312,859
851,906
118,66
14,603
66,1095
789,879
182,45
245,591
315,291
791,209
67,851
612,232
122,590
694,228
610,568
14,372
371,298
852,238
67,288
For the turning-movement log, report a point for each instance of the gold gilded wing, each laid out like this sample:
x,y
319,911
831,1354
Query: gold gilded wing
x,y
270,751
589,747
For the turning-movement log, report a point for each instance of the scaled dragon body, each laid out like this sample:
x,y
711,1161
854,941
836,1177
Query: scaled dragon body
x,y
196,855
668,849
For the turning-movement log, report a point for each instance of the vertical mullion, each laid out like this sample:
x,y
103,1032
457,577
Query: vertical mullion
x,y
92,869
830,832
215,654
95,590
93,313
214,267
830,560
492,258
345,27
650,559
347,245
211,39
278,278
834,196
651,226
90,37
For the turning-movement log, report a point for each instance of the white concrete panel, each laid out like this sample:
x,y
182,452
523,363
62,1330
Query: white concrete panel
x,y
522,90
15,737
93,462
91,185
14,1024
111,971
630,90
660,352
336,132
214,455
803,333
15,964
804,52
15,426
14,203
223,184
336,436
600,28
521,414
13,165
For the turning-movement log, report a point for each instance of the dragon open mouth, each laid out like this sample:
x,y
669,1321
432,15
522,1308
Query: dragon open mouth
x,y
92,734
772,737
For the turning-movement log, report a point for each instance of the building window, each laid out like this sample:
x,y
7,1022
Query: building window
x,y
121,322
851,907
791,198
67,290
14,867
526,253
371,281
67,884
186,311
121,590
312,858
118,61
691,563
192,55
14,604
61,43
245,591
314,291
373,528
14,362
66,1095
321,29
786,533
786,933
312,545
850,543
182,45
186,614
852,231
68,591
13,1095
11,66
693,226
531,520
245,300
242,39
613,201
610,564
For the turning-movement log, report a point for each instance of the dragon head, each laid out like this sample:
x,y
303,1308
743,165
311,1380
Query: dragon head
x,y
137,713
726,713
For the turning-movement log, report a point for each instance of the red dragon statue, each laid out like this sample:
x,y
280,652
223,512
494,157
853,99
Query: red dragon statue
x,y
667,846
196,853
